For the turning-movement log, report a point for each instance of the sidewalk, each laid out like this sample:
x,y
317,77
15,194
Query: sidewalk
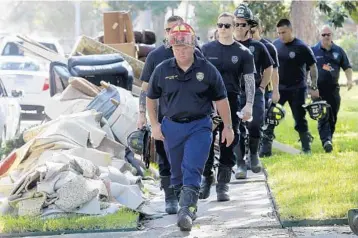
x,y
249,214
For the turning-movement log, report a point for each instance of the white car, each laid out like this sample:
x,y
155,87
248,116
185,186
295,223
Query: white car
x,y
10,115
27,80
8,47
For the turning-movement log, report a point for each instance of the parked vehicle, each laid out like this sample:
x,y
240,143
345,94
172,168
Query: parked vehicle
x,y
27,80
10,115
8,47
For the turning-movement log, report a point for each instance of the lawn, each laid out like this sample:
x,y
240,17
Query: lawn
x,y
122,219
317,186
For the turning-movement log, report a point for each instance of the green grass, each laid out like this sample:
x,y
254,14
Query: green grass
x,y
317,186
122,219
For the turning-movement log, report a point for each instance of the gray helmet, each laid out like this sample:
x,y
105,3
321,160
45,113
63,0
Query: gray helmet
x,y
242,11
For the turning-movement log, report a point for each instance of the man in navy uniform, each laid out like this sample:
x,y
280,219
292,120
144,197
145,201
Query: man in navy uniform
x,y
294,56
234,61
187,85
154,58
330,59
263,64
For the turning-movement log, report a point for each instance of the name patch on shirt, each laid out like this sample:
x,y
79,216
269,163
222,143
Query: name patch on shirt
x,y
172,77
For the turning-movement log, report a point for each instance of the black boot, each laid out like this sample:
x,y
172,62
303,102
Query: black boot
x,y
205,186
254,155
171,201
241,172
222,187
306,139
177,190
266,146
188,206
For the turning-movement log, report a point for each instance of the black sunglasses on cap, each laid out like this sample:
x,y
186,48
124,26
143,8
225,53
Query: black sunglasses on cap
x,y
326,34
226,25
168,29
241,24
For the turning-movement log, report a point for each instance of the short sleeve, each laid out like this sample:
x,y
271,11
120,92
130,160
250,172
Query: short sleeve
x,y
249,64
217,86
345,61
308,55
148,68
266,58
154,88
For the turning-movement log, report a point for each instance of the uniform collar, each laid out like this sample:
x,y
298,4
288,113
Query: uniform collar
x,y
196,63
321,47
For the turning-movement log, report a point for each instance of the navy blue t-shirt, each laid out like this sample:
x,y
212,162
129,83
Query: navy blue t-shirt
x,y
232,61
329,63
262,57
293,58
272,51
186,94
156,57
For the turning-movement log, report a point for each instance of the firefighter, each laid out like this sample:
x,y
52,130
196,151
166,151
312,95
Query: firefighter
x,y
233,61
263,63
294,56
187,85
330,59
154,58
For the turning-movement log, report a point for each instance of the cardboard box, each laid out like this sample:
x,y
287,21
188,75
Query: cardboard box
x,y
118,28
113,25
127,48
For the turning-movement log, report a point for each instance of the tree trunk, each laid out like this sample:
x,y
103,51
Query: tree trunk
x,y
303,15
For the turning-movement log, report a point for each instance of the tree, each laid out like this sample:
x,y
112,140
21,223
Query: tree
x,y
338,12
303,20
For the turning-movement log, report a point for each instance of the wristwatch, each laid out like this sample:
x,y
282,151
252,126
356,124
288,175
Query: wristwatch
x,y
314,88
229,126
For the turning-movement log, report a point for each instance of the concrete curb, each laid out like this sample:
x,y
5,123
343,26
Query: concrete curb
x,y
304,222
53,233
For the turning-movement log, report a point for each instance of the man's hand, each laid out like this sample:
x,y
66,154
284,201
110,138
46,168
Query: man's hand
x,y
157,132
227,135
314,93
275,96
350,84
246,112
141,121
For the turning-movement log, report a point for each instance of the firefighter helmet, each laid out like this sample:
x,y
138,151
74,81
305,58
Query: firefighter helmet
x,y
243,11
274,114
139,143
317,109
182,34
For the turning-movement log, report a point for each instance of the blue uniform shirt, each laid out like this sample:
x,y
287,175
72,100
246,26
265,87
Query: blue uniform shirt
x,y
293,58
186,94
156,57
262,57
272,51
232,61
329,63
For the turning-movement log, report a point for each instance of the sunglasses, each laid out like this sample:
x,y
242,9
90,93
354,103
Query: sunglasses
x,y
326,34
241,24
168,29
226,25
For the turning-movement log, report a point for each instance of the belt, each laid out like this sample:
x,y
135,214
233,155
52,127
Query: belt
x,y
186,119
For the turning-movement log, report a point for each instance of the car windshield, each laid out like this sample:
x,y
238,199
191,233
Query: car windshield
x,y
24,66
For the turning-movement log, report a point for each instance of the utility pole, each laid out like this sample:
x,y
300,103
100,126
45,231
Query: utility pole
x,y
77,18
